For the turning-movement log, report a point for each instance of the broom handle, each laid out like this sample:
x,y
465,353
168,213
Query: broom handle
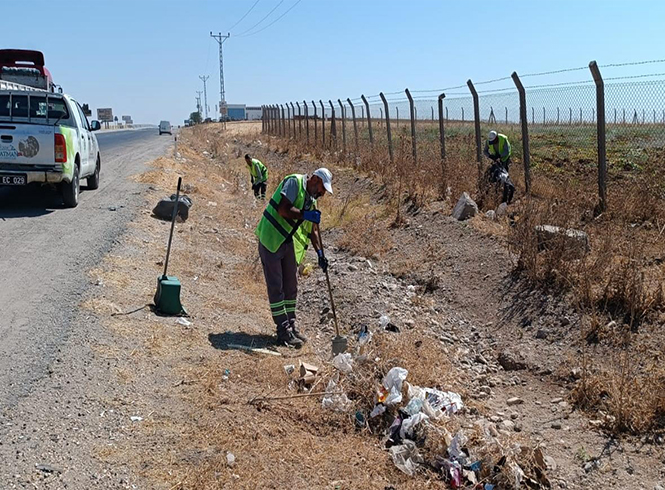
x,y
332,302
175,213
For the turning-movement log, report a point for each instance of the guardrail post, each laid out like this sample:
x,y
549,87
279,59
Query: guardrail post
x,y
333,127
355,125
369,120
304,102
524,122
323,124
602,160
316,130
389,134
341,108
412,113
476,120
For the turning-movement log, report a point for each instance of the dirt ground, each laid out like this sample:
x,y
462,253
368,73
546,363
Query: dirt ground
x,y
204,413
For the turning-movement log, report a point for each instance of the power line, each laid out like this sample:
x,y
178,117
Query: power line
x,y
263,29
246,14
264,18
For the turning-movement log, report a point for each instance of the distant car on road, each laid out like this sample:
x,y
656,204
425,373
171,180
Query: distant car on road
x,y
45,137
164,127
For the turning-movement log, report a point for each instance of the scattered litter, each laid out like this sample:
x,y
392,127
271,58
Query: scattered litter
x,y
414,406
113,208
227,373
343,363
135,418
184,321
378,410
47,468
384,320
391,327
408,427
289,369
308,372
230,459
406,457
360,419
338,402
444,400
391,391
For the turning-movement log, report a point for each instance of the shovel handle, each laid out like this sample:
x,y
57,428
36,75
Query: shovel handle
x,y
175,213
332,301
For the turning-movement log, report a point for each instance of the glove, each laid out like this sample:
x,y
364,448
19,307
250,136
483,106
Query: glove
x,y
323,262
313,216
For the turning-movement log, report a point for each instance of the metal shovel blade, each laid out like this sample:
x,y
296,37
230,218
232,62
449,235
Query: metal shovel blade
x,y
339,345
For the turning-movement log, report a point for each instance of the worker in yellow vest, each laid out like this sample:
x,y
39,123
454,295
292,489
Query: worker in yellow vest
x,y
289,222
259,176
498,150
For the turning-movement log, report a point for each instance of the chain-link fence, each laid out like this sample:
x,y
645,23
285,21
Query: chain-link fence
x,y
433,140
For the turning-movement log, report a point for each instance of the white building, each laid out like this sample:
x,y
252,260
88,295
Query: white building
x,y
253,113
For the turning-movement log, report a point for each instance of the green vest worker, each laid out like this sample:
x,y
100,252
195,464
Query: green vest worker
x,y
289,221
259,175
498,148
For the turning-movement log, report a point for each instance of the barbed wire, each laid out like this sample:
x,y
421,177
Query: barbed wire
x,y
631,63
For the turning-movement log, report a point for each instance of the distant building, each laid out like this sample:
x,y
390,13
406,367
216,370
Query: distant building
x,y
236,112
254,113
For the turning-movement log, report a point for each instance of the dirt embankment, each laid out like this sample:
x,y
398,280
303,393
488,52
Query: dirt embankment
x,y
212,416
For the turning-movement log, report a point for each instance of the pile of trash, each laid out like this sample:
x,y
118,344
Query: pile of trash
x,y
425,429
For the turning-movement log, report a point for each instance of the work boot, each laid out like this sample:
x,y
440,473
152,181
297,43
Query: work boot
x,y
297,332
285,336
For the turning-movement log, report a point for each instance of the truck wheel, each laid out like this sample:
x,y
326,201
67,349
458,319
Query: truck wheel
x,y
70,192
93,180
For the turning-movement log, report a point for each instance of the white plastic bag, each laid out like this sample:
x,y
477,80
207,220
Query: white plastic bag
x,y
406,457
393,383
343,363
337,402
409,425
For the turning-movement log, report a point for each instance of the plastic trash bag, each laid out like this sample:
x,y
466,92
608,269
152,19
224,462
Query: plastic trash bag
x,y
343,363
337,402
406,457
408,427
164,208
392,382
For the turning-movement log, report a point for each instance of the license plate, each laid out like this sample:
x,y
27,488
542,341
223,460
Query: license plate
x,y
13,179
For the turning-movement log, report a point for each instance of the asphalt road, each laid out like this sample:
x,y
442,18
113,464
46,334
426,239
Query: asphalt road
x,y
46,251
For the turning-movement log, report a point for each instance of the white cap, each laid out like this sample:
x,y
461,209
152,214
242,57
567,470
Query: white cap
x,y
492,136
325,175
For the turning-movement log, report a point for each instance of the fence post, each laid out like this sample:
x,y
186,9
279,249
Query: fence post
x,y
526,155
299,120
283,121
263,120
506,116
304,103
323,123
602,162
316,130
543,116
432,107
476,117
333,127
271,111
341,108
442,139
390,136
397,116
369,120
293,114
268,118
355,124
288,120
412,111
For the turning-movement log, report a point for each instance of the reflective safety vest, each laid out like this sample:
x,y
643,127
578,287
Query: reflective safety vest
x,y
258,171
503,143
273,230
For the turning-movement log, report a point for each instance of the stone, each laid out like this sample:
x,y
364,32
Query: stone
x,y
508,425
501,210
496,419
542,334
514,401
353,267
465,208
556,425
511,361
596,423
574,243
491,215
557,400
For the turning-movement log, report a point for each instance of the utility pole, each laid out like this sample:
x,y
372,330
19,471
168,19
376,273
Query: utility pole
x,y
198,102
222,95
205,94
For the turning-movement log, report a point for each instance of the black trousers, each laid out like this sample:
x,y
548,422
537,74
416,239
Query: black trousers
x,y
260,190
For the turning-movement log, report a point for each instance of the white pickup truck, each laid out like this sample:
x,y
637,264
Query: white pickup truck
x,y
45,137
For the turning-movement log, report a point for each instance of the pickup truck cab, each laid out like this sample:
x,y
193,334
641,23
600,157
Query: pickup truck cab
x,y
46,138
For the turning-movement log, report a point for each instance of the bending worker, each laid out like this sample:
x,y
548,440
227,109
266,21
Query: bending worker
x,y
259,175
498,150
289,222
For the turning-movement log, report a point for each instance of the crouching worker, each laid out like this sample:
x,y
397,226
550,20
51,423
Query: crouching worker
x,y
259,176
289,222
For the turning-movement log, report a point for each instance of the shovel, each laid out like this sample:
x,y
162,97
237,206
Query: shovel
x,y
339,343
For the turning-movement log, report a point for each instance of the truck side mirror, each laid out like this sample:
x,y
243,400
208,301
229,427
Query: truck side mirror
x,y
95,126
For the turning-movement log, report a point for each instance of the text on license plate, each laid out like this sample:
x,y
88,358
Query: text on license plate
x,y
12,180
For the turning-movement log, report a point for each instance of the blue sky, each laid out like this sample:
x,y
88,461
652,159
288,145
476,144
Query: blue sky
x,y
144,57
